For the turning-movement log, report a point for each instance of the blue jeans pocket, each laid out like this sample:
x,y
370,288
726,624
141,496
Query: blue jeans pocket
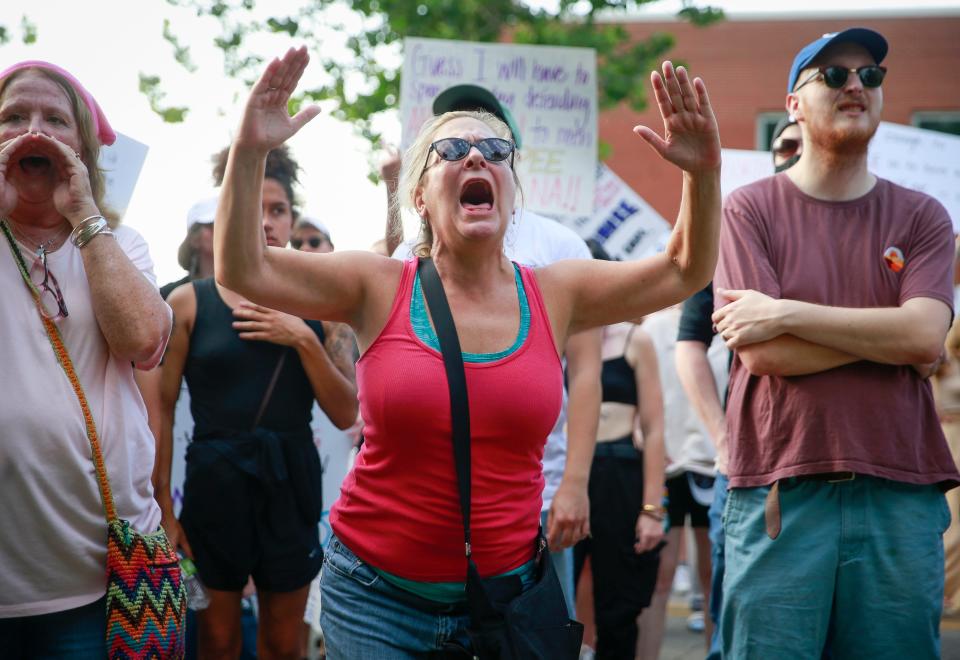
x,y
341,560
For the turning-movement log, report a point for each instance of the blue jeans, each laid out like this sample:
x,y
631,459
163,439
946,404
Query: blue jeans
x,y
563,564
716,565
857,567
77,634
364,616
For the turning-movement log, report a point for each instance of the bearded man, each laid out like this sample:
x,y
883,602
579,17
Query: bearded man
x,y
834,291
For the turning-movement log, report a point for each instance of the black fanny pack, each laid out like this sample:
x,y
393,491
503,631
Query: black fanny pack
x,y
506,623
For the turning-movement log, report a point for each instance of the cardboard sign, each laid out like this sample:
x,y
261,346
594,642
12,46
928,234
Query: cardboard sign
x,y
928,161
742,166
622,221
552,94
121,163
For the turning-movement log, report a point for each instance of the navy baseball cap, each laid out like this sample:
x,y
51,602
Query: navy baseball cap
x,y
474,97
874,42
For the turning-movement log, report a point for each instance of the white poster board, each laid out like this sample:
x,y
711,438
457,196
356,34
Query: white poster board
x,y
743,166
121,163
622,221
928,161
333,444
552,94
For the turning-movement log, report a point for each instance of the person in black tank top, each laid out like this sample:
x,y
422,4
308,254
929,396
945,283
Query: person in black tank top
x,y
252,494
626,491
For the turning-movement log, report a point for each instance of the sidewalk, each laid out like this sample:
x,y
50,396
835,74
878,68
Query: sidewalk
x,y
681,644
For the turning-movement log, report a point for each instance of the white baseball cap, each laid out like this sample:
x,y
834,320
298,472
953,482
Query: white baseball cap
x,y
202,212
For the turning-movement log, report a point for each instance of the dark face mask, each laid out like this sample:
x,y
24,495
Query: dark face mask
x,y
787,164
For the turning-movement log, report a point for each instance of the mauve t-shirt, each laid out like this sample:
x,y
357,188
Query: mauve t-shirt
x,y
880,250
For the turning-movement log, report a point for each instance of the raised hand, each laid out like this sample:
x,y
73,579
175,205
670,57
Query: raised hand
x,y
690,139
389,166
72,196
266,123
8,193
69,177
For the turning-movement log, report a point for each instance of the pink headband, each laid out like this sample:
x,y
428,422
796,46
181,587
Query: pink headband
x,y
104,133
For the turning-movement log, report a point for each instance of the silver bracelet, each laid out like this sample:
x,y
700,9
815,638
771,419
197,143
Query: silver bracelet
x,y
97,225
83,224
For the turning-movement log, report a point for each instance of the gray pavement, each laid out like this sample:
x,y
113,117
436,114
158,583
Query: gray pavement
x,y
681,644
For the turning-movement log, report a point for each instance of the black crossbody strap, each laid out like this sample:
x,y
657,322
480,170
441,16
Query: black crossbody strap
x,y
456,381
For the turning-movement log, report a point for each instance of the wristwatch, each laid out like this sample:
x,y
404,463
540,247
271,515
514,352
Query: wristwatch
x,y
655,511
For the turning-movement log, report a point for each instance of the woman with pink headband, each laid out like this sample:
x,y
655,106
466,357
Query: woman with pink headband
x,y
96,285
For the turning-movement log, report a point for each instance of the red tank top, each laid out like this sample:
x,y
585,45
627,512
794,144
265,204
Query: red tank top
x,y
398,509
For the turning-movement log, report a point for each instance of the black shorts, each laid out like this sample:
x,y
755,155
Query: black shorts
x,y
682,502
243,519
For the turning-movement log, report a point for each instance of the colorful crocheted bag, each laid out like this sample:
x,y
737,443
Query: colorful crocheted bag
x,y
146,596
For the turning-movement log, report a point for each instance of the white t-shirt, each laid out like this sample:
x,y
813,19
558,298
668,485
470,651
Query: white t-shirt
x,y
52,524
537,241
686,440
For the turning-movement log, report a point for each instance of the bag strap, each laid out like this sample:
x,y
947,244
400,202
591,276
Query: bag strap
x,y
270,387
63,357
456,381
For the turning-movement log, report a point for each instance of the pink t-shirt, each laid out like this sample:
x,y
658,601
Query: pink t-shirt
x,y
52,527
880,250
398,509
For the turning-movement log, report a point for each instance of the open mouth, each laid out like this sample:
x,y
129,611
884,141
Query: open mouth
x,y
852,107
35,164
477,195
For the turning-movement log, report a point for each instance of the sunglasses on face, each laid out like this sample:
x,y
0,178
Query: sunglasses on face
x,y
835,77
494,150
786,147
313,241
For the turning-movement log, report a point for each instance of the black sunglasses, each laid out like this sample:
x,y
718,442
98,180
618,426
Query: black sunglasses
x,y
835,77
313,241
494,150
786,146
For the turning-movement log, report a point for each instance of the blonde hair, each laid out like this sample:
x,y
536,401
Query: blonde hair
x,y
89,142
413,163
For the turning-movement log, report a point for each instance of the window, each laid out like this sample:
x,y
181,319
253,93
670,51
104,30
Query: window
x,y
766,122
945,121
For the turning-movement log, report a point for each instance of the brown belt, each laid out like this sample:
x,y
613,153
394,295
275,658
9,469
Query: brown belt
x,y
771,507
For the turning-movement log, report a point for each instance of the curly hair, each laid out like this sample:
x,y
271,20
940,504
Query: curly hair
x,y
281,167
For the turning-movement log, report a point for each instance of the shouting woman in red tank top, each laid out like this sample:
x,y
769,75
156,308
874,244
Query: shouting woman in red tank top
x,y
393,579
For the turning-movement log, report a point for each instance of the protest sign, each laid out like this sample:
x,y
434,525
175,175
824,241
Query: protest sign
x,y
928,161
743,166
622,221
552,94
121,163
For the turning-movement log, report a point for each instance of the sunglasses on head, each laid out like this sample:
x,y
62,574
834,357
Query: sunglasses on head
x,y
494,150
835,77
313,241
786,147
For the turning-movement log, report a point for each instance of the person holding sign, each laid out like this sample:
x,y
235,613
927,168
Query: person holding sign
x,y
395,569
831,283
